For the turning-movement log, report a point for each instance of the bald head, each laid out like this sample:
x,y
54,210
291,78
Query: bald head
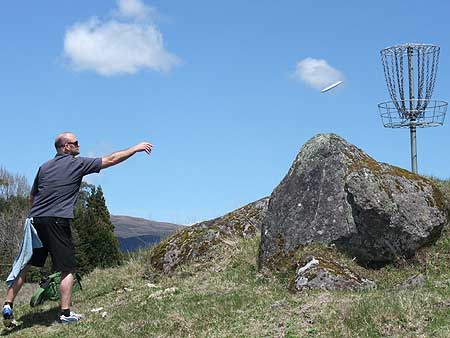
x,y
66,143
62,139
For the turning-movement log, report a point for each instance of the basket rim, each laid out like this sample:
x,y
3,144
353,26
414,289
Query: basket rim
x,y
430,103
405,46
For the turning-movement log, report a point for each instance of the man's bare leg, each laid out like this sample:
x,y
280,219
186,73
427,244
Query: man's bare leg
x,y
12,292
65,289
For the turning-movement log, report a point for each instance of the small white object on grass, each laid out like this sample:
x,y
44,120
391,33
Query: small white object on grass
x,y
170,291
97,309
310,264
331,86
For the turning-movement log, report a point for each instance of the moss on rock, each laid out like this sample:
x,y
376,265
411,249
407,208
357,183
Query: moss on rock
x,y
195,242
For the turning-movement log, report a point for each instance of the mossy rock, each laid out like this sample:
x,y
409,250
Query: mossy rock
x,y
195,242
318,272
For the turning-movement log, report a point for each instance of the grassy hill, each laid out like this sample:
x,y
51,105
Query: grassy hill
x,y
224,295
228,297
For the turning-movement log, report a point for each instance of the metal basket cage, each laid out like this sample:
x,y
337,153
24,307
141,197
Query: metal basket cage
x,y
432,114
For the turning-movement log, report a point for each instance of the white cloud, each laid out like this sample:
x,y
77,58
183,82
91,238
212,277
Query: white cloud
x,y
317,73
117,47
134,9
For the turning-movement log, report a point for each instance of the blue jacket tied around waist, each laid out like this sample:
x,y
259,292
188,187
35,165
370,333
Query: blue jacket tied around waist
x,y
29,242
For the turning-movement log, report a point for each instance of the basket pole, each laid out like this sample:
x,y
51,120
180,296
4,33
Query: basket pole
x,y
412,133
412,126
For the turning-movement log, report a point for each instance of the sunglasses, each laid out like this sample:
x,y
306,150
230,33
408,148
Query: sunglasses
x,y
74,143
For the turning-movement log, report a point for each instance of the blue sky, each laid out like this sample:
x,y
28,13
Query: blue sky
x,y
213,85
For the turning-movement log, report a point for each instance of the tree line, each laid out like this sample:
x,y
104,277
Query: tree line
x,y
93,232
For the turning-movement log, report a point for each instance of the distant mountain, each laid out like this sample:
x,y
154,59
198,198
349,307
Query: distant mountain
x,y
134,233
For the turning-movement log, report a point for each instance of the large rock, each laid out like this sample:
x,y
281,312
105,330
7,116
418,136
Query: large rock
x,y
335,193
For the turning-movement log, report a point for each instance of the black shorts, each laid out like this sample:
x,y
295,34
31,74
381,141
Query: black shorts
x,y
56,237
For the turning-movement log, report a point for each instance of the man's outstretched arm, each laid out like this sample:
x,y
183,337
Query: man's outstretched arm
x,y
122,155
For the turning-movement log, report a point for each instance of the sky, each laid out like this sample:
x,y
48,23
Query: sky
x,y
226,91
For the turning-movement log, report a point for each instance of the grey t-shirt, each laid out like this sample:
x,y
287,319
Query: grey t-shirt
x,y
57,184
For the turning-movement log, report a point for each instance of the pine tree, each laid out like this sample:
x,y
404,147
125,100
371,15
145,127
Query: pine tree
x,y
96,244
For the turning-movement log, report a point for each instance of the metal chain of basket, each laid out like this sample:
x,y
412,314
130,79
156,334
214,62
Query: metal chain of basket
x,y
427,59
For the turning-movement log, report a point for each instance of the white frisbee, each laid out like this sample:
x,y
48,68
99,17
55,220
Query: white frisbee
x,y
331,86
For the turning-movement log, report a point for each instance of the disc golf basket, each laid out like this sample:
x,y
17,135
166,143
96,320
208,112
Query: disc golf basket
x,y
410,71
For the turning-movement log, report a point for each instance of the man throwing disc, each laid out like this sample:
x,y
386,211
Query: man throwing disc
x,y
52,198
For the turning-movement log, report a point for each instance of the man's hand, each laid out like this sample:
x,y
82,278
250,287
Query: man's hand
x,y
143,146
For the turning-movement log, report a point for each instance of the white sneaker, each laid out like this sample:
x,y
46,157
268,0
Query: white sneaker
x,y
73,318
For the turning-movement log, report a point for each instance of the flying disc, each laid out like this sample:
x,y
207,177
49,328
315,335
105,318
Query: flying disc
x,y
331,86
